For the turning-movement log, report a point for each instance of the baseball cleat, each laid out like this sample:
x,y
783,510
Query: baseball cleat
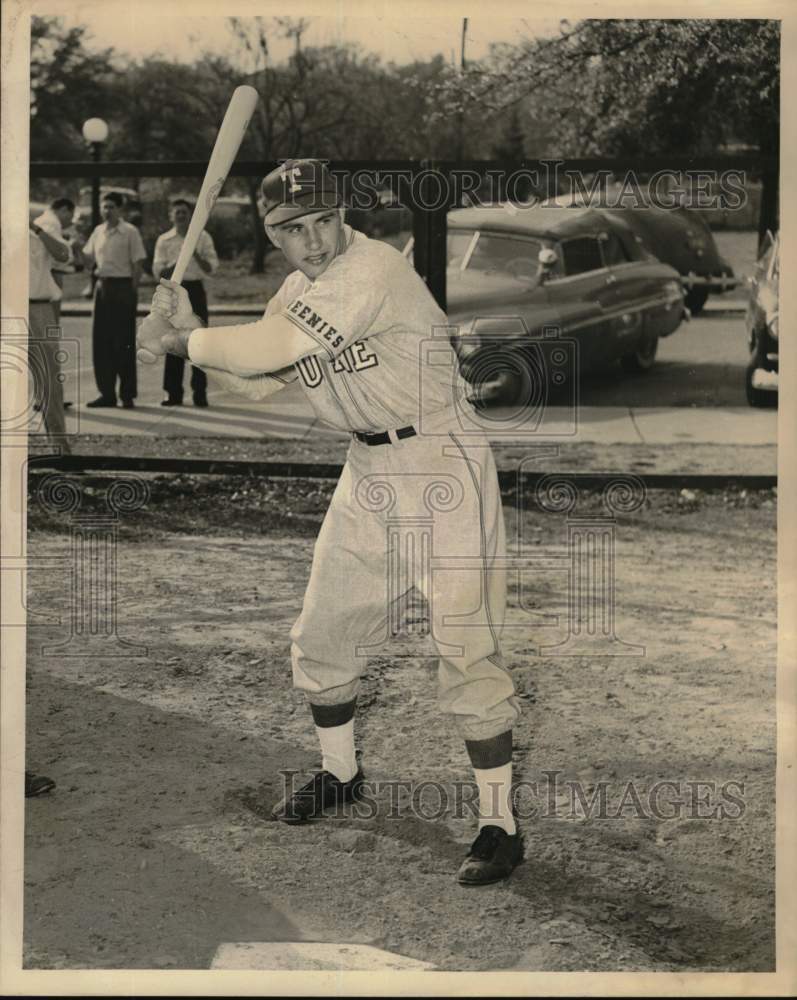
x,y
322,792
493,856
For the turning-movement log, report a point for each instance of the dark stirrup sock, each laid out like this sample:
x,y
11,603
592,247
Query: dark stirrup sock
x,y
328,716
494,752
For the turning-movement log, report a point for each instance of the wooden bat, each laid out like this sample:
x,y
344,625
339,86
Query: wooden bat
x,y
228,142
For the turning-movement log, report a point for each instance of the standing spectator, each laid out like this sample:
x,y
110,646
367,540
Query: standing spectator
x,y
118,251
54,220
45,332
205,261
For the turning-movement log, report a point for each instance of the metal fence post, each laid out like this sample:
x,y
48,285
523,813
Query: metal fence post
x,y
429,228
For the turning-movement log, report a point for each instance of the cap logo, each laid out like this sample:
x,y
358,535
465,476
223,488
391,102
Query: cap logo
x,y
294,172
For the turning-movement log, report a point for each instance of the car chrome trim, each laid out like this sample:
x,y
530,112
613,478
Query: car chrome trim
x,y
762,379
471,247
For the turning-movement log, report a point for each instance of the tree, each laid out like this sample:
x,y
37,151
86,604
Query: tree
x,y
641,87
68,85
169,111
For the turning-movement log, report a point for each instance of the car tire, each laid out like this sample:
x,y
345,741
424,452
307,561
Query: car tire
x,y
695,299
643,358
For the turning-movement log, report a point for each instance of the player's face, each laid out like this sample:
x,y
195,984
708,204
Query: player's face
x,y
312,242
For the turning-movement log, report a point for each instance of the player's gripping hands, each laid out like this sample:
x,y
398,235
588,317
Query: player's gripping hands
x,y
167,328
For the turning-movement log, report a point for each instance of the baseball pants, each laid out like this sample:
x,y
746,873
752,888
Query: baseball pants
x,y
114,337
406,514
174,367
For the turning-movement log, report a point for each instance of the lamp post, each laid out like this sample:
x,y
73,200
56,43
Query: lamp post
x,y
95,132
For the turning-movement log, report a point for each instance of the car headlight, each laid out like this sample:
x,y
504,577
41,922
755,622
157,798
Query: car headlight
x,y
772,326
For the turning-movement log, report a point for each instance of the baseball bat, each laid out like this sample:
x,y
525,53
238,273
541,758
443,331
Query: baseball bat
x,y
228,142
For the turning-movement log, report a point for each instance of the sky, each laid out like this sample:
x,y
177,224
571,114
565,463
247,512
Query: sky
x,y
131,29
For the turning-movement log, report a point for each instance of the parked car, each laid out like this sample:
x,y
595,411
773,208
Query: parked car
x,y
540,295
681,238
761,376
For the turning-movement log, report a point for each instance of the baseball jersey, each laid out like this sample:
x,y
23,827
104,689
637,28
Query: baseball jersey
x,y
167,250
382,346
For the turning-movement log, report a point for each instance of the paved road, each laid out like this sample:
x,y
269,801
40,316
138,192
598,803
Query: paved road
x,y
701,364
694,392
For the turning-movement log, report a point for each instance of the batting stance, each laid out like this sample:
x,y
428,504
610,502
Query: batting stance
x,y
350,323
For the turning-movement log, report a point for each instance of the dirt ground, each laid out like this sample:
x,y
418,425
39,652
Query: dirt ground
x,y
155,847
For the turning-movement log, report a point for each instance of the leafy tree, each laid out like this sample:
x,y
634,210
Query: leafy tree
x,y
169,111
640,87
69,84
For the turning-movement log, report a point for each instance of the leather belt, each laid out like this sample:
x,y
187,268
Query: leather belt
x,y
383,437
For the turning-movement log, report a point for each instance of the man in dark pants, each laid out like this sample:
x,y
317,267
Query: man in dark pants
x,y
118,251
204,261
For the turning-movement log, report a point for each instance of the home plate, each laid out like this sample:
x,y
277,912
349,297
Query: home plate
x,y
306,956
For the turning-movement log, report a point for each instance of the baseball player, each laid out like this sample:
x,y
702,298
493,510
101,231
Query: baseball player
x,y
351,323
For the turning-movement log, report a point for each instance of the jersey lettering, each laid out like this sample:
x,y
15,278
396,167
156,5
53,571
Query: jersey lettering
x,y
342,363
311,320
354,359
310,371
362,358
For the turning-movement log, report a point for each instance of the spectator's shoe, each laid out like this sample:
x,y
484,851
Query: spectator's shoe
x,y
493,856
200,399
171,401
101,401
67,404
128,404
37,784
322,792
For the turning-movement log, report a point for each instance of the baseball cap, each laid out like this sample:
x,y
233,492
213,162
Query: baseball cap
x,y
297,188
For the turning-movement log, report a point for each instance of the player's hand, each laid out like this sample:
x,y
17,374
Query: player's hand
x,y
171,301
157,337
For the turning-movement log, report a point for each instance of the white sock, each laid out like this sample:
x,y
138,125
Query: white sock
x,y
337,748
495,797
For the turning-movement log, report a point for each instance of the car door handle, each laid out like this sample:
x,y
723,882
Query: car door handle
x,y
611,280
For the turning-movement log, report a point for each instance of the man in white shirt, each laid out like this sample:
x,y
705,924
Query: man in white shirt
x,y
204,261
54,220
118,251
45,333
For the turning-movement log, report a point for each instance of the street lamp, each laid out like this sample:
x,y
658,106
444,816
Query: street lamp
x,y
95,132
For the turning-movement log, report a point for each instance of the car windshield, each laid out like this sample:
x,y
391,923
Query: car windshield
x,y
493,253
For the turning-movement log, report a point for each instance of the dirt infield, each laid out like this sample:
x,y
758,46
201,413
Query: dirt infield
x,y
154,848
